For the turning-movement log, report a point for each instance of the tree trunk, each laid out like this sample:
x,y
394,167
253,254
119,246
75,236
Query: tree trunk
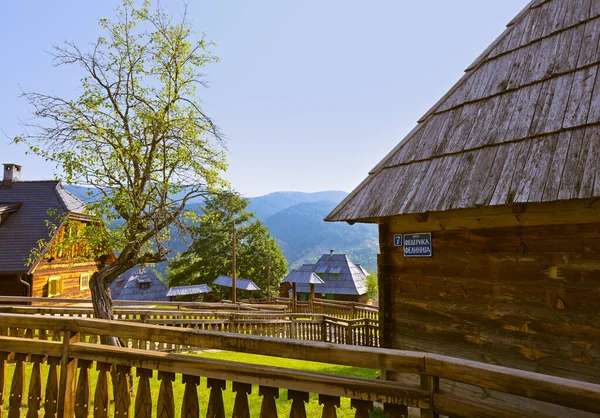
x,y
101,298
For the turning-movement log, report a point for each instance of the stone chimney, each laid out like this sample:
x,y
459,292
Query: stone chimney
x,y
12,173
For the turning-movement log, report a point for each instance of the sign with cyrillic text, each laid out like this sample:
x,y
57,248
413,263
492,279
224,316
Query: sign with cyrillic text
x,y
417,245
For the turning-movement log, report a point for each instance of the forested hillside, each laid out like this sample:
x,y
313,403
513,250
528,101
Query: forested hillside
x,y
295,219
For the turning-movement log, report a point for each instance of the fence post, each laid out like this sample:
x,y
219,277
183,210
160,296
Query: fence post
x,y
292,327
432,384
348,333
68,377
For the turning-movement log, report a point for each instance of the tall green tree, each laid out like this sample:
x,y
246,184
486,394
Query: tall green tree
x,y
211,252
136,133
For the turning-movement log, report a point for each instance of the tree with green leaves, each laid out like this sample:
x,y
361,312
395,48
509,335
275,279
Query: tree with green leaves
x,y
136,134
372,286
258,257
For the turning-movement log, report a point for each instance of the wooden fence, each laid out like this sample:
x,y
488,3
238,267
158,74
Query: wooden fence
x,y
71,360
337,308
309,327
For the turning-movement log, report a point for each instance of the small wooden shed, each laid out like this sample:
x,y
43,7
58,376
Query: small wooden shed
x,y
489,210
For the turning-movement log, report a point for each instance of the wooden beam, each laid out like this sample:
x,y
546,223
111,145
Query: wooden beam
x,y
566,392
555,213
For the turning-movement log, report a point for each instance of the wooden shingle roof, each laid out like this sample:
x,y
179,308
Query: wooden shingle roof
x,y
34,204
521,126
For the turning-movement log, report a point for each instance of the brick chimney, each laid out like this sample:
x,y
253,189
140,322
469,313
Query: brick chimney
x,y
12,173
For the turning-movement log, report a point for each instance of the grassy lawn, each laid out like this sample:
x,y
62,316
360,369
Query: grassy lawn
x,y
313,409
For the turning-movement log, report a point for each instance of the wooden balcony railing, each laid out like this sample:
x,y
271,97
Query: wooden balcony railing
x,y
337,308
309,327
71,360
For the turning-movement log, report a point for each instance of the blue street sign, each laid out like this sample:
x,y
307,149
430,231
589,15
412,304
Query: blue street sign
x,y
417,245
398,240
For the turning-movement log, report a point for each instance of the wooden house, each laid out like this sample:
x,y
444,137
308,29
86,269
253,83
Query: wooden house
x,y
343,280
26,208
504,174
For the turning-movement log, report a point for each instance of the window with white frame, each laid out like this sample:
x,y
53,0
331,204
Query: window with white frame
x,y
84,281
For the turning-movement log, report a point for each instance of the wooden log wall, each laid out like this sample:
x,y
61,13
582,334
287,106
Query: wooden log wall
x,y
525,297
69,272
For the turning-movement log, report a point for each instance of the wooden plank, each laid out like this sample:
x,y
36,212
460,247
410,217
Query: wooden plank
x,y
529,172
580,98
547,150
578,395
590,43
450,405
68,376
557,168
592,164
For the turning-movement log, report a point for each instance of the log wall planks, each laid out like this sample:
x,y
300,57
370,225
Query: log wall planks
x,y
516,296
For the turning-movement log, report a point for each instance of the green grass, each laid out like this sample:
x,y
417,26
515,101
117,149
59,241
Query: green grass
x,y
313,409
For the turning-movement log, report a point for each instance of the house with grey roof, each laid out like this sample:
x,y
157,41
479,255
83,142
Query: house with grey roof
x,y
138,283
343,280
27,209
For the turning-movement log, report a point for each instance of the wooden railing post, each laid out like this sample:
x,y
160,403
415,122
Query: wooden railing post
x,y
216,407
102,393
165,406
51,394
298,399
329,404
3,359
240,407
68,377
292,327
122,397
16,388
143,396
268,408
362,408
83,395
431,384
34,397
190,408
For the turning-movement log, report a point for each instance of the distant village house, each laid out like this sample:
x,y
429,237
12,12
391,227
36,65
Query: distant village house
x,y
26,208
343,280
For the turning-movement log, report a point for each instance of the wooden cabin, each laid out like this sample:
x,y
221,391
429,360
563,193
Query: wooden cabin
x,y
26,208
343,280
489,210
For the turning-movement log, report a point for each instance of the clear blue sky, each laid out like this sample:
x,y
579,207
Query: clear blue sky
x,y
311,94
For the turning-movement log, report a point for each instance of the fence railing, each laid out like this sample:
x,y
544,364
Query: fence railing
x,y
71,362
337,308
310,327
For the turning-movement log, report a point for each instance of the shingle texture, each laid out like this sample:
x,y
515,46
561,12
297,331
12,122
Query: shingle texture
x,y
243,284
188,290
522,125
23,228
298,276
138,283
351,279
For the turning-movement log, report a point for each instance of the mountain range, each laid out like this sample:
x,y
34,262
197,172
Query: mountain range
x,y
295,220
